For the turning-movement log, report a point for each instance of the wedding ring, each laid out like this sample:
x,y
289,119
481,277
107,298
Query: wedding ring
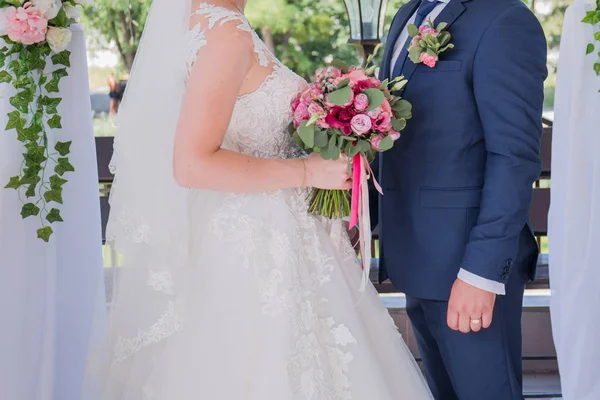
x,y
476,321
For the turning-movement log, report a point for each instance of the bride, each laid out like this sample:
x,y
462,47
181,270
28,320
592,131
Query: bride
x,y
230,289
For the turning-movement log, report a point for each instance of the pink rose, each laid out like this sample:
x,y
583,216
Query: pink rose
x,y
315,108
428,59
361,102
295,103
374,114
375,142
395,135
361,124
25,24
424,30
385,107
383,123
356,75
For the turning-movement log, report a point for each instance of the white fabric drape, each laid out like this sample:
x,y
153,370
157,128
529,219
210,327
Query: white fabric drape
x,y
574,222
49,292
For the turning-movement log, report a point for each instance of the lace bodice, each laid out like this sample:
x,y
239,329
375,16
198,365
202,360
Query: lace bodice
x,y
260,119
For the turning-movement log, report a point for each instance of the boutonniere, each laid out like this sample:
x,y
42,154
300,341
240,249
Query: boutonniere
x,y
428,42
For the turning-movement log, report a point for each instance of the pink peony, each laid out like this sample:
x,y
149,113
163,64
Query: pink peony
x,y
356,75
395,135
339,118
361,124
428,59
315,108
361,102
375,142
383,123
424,30
25,24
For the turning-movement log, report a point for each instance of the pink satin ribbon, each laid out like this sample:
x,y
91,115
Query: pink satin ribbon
x,y
359,212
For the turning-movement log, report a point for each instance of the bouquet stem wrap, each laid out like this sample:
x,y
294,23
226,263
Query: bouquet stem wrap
x,y
359,213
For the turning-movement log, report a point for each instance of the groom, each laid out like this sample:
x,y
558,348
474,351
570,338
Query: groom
x,y
455,235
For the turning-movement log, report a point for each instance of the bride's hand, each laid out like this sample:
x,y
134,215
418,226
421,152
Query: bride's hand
x,y
326,174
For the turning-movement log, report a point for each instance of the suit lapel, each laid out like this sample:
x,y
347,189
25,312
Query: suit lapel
x,y
398,24
449,15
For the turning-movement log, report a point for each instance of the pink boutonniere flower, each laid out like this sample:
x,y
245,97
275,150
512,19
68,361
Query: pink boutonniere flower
x,y
428,42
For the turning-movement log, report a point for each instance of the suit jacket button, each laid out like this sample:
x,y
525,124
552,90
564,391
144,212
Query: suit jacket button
x,y
509,263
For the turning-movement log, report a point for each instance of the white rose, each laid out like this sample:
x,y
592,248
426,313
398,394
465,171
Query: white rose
x,y
48,8
72,11
2,23
58,38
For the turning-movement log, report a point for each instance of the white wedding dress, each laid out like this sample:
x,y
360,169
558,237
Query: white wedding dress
x,y
269,306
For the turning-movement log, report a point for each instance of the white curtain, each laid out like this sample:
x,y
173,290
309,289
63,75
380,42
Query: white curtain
x,y
574,222
50,292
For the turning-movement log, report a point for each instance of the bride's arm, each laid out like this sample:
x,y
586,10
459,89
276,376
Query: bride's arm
x,y
199,162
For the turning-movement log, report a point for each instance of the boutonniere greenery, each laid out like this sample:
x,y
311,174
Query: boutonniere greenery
x,y
428,42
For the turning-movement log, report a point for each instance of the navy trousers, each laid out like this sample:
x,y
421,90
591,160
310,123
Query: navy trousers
x,y
476,366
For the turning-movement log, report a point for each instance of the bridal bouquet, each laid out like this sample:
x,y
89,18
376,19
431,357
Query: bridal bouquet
x,y
347,110
33,59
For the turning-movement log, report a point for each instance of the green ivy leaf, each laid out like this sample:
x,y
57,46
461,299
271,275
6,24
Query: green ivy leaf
x,y
30,192
15,120
590,49
53,195
340,97
29,210
597,68
62,58
54,216
44,233
63,148
55,122
5,77
63,166
56,182
60,73
50,103
43,79
13,183
23,82
597,36
52,86
20,103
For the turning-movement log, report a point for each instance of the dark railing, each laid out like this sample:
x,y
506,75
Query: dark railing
x,y
539,205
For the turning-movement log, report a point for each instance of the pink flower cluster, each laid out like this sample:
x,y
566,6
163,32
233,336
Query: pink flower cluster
x,y
425,57
24,24
353,118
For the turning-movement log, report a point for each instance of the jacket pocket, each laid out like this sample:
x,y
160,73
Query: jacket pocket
x,y
469,197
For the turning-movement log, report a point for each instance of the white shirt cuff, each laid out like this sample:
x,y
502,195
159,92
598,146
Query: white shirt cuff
x,y
481,283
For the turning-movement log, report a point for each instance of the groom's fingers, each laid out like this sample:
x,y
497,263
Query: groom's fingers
x,y
452,319
464,323
486,318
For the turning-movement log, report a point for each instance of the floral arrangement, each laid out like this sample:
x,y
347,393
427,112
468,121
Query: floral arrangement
x,y
593,18
428,42
34,58
347,110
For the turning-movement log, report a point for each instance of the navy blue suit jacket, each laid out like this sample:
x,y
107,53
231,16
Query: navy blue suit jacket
x,y
458,184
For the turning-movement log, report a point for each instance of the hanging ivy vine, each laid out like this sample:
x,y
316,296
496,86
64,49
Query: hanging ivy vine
x,y
593,18
40,179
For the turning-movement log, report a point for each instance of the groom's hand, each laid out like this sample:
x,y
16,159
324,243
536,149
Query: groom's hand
x,y
470,308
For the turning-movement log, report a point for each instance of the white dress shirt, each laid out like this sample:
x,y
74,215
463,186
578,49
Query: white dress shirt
x,y
464,275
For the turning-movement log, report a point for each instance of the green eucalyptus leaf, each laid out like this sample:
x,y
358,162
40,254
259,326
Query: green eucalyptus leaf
x,y
343,83
307,134
340,97
413,30
376,98
441,26
54,216
386,143
339,64
321,139
398,124
45,233
363,146
414,54
403,109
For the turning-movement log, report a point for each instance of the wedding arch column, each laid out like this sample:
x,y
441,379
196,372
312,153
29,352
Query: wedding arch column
x,y
574,220
50,292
